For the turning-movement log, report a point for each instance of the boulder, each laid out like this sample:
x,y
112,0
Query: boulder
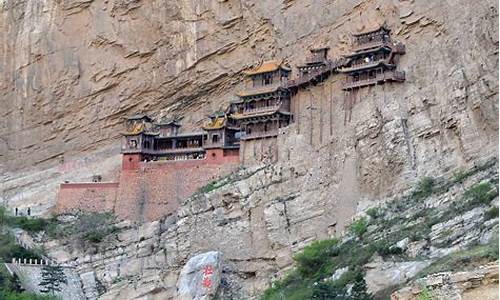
x,y
381,275
200,277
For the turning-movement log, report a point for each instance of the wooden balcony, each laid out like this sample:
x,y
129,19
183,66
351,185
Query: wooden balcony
x,y
316,74
379,79
254,112
315,59
396,47
364,46
366,66
164,151
259,110
260,135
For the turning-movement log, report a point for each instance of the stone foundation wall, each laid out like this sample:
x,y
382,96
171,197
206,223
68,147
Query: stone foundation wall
x,y
92,196
156,188
149,191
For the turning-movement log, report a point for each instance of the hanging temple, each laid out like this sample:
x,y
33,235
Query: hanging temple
x,y
162,164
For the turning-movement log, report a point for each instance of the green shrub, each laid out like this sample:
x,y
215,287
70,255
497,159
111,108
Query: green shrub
x,y
424,188
9,249
481,193
315,258
359,227
425,294
29,224
373,212
491,213
88,227
460,176
384,248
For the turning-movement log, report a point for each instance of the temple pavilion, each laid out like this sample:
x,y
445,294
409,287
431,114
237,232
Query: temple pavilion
x,y
161,141
372,60
264,106
221,132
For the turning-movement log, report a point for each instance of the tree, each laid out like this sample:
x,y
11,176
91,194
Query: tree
x,y
52,279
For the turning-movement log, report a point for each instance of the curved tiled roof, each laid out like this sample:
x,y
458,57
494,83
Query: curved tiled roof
x,y
267,66
372,29
217,123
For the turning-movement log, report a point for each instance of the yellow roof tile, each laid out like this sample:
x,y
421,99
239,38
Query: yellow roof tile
x,y
267,66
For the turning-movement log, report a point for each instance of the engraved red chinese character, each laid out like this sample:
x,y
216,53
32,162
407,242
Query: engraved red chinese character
x,y
207,283
208,270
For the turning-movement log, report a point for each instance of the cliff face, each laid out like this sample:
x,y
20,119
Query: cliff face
x,y
71,69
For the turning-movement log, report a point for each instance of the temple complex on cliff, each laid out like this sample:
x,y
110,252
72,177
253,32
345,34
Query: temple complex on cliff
x,y
162,164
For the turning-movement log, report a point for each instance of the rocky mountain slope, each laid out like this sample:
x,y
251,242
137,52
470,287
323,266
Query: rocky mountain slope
x,y
441,225
71,69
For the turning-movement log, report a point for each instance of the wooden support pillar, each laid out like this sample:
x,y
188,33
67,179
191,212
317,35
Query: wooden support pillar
x,y
322,96
330,98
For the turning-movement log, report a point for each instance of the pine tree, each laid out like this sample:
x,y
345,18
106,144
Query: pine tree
x,y
52,279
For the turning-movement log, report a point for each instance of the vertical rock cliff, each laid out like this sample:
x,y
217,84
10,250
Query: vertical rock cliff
x,y
71,69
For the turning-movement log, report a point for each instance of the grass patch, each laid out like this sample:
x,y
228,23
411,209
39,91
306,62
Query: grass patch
x,y
90,228
425,294
9,249
460,176
359,227
312,261
481,193
424,188
491,213
373,212
31,225
462,260
317,262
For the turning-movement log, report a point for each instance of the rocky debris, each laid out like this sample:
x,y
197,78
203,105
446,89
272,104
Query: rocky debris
x,y
258,242
89,285
338,273
200,277
480,283
383,274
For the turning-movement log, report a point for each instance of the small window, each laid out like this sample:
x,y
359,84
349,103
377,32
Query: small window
x,y
267,79
215,138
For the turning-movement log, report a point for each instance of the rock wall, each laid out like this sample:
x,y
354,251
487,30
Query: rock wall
x,y
63,97
257,221
89,197
149,190
155,189
31,275
480,283
62,100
